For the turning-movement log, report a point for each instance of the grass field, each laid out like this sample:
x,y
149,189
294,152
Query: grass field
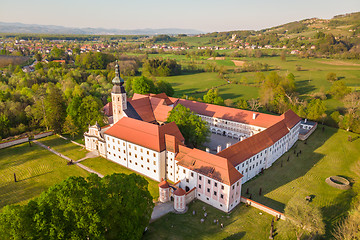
x,y
325,154
311,78
242,223
36,170
65,147
107,167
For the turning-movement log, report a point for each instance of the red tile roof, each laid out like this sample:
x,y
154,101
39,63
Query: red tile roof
x,y
251,146
179,192
145,134
164,184
231,114
290,118
210,165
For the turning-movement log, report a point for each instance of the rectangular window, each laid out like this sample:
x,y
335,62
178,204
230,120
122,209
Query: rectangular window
x,y
199,177
215,184
192,174
214,193
187,180
208,181
221,196
222,187
184,171
208,190
155,163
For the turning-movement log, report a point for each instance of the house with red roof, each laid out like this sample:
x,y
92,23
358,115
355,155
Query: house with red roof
x,y
140,138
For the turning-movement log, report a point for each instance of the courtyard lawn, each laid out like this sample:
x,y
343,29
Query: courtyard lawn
x,y
242,223
65,147
107,167
36,170
324,154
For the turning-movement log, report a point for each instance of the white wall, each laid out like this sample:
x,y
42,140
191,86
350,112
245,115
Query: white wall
x,y
138,158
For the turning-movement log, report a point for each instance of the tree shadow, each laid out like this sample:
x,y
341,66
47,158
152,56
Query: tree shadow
x,y
337,211
304,87
235,236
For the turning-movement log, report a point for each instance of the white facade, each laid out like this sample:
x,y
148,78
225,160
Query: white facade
x,y
119,104
135,157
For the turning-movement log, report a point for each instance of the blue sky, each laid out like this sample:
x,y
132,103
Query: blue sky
x,y
205,15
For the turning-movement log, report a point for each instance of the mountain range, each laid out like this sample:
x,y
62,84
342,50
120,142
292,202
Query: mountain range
x,y
52,29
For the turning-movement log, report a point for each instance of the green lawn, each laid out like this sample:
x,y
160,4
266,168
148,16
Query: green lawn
x,y
242,223
190,83
36,170
325,154
65,147
107,167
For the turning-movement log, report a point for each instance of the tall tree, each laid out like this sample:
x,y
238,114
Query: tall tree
x,y
143,85
212,96
55,108
164,87
118,206
302,218
89,112
193,128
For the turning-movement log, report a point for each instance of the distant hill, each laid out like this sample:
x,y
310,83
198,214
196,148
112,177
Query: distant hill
x,y
51,29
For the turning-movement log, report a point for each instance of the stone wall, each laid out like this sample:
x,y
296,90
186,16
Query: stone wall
x,y
304,137
44,134
13,142
190,195
263,208
22,140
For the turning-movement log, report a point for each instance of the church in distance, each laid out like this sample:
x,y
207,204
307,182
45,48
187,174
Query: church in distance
x,y
139,138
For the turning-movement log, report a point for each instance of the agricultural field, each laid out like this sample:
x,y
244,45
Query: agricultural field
x,y
310,77
36,170
325,154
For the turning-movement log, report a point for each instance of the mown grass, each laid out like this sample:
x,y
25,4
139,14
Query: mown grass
x,y
36,170
241,223
325,154
107,167
65,147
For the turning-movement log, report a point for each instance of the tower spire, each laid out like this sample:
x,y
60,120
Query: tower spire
x,y
117,79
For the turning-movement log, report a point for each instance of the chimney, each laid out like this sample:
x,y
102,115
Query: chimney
x,y
208,150
228,144
254,116
219,148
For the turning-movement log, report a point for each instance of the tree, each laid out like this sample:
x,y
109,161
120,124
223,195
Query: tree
x,y
338,89
164,87
143,85
331,77
117,206
55,108
70,126
242,104
89,112
316,109
303,218
193,128
212,96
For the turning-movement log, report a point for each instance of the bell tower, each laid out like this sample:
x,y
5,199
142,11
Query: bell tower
x,y
118,95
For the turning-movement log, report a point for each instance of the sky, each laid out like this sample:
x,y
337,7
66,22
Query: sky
x,y
203,15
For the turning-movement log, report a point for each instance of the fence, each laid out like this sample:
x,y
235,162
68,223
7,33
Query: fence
x,y
263,208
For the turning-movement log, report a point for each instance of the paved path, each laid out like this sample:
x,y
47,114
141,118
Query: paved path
x,y
161,210
91,154
67,158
